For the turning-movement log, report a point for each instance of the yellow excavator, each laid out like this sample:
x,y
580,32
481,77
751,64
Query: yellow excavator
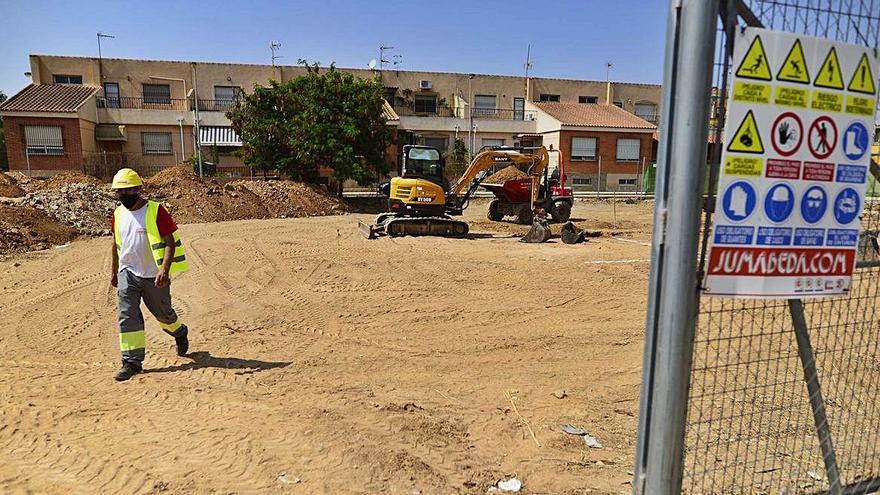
x,y
421,203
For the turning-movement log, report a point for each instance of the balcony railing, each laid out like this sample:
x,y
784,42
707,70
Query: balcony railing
x,y
427,112
462,113
141,103
503,114
223,105
650,117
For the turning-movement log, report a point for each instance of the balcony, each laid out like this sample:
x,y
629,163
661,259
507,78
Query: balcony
x,y
461,113
141,103
428,112
650,117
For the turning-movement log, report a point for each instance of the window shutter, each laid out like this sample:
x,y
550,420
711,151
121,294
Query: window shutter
x,y
156,143
628,149
583,148
44,136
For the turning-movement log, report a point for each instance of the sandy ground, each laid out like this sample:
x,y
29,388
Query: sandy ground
x,y
322,362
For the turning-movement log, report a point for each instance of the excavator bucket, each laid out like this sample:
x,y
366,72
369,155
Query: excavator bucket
x,y
571,235
368,231
539,232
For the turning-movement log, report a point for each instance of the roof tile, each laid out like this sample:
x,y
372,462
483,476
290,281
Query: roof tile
x,y
53,98
593,115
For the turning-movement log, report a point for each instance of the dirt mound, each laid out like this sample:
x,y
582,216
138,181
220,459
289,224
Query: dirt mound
x,y
508,173
25,229
67,178
190,200
288,199
84,207
9,187
173,176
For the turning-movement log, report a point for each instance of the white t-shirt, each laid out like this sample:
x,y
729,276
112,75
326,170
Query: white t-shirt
x,y
136,255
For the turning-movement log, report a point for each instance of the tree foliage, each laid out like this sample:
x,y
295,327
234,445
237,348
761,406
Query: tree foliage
x,y
456,161
328,118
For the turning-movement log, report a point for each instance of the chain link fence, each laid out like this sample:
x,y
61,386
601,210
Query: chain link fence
x,y
751,427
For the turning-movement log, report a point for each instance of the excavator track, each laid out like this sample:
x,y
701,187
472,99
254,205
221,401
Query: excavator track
x,y
416,226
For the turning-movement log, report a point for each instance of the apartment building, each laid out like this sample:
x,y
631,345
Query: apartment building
x,y
91,114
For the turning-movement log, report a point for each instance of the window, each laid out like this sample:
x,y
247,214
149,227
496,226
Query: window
x,y
43,140
647,111
519,108
583,148
67,79
546,97
390,94
582,181
156,143
626,182
618,103
224,97
111,95
588,99
492,142
425,104
484,104
628,150
157,94
441,143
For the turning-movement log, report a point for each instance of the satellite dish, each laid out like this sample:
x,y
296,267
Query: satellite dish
x,y
372,63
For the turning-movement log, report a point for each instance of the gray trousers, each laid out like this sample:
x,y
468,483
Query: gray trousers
x,y
130,291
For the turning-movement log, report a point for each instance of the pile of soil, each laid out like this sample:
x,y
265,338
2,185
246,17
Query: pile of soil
x,y
190,200
508,173
9,187
288,199
27,229
87,208
66,179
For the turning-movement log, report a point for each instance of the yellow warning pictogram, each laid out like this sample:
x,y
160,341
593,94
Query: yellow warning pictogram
x,y
829,75
863,80
747,138
754,64
794,69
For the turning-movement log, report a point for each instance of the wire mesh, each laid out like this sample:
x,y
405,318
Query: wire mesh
x,y
750,426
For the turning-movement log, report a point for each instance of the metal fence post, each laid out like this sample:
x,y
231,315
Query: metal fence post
x,y
672,294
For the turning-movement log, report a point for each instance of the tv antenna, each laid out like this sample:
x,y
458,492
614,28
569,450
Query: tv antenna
x,y
395,59
528,64
275,46
102,35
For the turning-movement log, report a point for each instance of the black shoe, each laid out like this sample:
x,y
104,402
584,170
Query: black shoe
x,y
127,371
182,341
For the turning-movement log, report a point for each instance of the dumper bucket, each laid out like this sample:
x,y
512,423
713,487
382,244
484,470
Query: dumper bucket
x,y
539,232
368,231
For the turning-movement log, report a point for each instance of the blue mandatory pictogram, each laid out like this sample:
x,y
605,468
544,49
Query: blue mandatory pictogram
x,y
855,141
813,204
846,206
779,203
739,201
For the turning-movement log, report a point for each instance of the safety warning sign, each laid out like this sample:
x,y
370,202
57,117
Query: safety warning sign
x,y
794,169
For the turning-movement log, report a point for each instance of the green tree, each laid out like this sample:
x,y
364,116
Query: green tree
x,y
4,160
328,118
456,161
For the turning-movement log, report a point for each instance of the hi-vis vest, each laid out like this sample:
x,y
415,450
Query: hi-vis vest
x,y
157,244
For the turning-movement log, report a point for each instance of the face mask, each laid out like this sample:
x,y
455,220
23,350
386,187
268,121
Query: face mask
x,y
129,200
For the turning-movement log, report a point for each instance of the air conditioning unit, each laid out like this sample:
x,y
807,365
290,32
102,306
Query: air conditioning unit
x,y
425,84
529,116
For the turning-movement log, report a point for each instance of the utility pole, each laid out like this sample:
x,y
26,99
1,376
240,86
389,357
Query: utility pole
x,y
608,66
100,35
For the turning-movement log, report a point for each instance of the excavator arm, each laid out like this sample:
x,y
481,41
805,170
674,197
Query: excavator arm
x,y
486,159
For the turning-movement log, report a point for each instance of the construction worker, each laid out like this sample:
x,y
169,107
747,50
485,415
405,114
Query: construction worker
x,y
146,252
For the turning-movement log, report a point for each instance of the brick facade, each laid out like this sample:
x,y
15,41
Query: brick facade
x,y
72,159
606,143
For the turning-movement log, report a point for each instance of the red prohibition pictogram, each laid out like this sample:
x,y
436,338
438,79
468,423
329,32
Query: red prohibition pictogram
x,y
823,137
788,134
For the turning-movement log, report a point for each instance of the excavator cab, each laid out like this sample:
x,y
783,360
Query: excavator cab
x,y
422,162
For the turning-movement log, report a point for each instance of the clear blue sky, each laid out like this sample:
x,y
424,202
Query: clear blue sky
x,y
569,38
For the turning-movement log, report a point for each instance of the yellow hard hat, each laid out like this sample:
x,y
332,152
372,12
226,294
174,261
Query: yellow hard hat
x,y
125,178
